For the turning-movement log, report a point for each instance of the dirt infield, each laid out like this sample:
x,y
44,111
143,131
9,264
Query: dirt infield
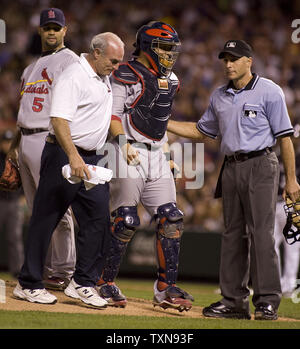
x,y
135,307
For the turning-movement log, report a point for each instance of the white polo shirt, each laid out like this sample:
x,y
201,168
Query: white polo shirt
x,y
85,100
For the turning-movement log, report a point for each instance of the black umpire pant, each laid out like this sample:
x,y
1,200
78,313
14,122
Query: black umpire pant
x,y
53,197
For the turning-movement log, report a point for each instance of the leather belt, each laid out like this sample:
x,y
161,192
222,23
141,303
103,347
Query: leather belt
x,y
239,157
52,139
31,131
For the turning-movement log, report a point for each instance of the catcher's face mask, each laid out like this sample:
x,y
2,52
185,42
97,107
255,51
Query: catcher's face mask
x,y
167,53
161,44
291,230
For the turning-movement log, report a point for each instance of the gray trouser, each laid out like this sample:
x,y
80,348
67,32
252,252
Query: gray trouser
x,y
249,191
12,218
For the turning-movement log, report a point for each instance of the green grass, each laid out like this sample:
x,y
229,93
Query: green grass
x,y
43,320
204,294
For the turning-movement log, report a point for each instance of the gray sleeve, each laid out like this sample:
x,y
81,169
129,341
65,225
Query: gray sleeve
x,y
123,97
119,98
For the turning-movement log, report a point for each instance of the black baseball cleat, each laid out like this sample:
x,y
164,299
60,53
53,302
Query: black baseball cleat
x,y
113,295
265,311
219,310
172,297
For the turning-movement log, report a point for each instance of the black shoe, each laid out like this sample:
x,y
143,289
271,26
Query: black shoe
x,y
219,310
112,294
265,311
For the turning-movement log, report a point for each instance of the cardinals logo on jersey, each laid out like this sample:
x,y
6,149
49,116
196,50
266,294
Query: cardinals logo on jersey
x,y
46,76
31,88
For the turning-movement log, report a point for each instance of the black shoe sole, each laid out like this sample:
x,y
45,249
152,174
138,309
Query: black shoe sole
x,y
238,316
261,316
117,304
185,305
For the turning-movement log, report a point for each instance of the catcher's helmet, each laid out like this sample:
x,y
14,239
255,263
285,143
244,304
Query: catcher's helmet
x,y
161,44
291,230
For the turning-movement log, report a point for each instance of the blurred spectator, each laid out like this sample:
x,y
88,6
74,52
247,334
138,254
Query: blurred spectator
x,y
203,27
11,214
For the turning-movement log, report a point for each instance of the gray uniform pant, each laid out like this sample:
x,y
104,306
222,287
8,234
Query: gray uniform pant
x,y
249,191
61,257
12,218
150,183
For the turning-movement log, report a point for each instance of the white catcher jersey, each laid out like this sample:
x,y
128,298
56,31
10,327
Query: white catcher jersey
x,y
38,80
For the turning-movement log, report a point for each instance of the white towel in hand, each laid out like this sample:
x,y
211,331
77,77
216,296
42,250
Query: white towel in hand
x,y
99,175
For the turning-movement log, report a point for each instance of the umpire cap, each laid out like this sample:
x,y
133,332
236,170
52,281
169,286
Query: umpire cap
x,y
237,48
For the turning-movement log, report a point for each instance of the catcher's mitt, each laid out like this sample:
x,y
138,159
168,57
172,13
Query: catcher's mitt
x,y
10,179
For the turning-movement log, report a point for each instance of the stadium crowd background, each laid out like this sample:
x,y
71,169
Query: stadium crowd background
x,y
203,27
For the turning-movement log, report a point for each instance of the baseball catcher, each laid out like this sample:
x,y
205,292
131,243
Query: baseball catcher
x,y
143,92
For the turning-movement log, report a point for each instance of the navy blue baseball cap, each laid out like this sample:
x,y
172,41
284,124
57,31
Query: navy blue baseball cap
x,y
52,15
237,48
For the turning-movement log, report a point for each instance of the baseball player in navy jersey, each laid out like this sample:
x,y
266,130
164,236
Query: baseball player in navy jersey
x,y
249,114
143,92
38,80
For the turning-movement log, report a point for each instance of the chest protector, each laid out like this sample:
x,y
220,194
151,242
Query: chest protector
x,y
150,112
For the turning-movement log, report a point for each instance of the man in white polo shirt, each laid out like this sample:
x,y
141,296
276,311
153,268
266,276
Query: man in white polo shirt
x,y
249,114
80,118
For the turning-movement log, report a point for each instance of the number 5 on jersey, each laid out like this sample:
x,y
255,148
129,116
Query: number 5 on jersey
x,y
37,105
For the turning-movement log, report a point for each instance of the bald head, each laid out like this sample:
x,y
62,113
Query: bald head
x,y
106,53
102,40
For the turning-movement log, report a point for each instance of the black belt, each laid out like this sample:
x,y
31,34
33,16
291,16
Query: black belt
x,y
31,131
52,139
239,157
